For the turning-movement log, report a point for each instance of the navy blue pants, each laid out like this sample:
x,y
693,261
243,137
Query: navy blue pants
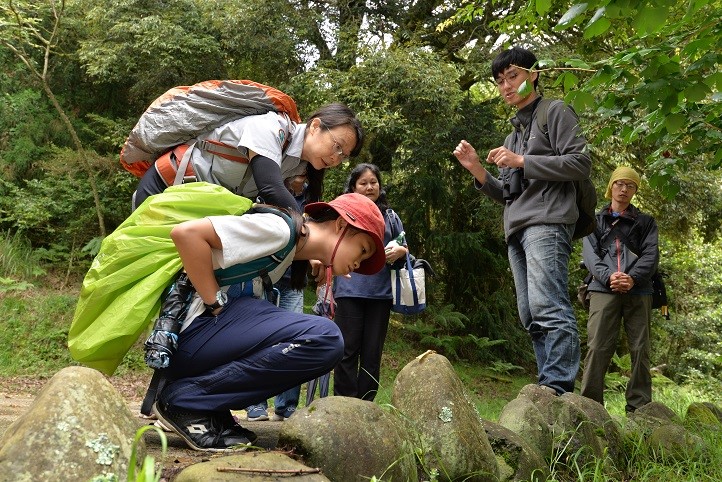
x,y
251,351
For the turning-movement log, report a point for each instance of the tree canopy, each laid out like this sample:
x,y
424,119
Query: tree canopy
x,y
643,74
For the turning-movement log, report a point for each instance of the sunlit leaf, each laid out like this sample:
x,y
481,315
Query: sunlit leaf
x,y
543,6
674,122
580,100
577,64
570,81
570,16
599,13
546,63
693,7
525,88
650,19
597,27
714,79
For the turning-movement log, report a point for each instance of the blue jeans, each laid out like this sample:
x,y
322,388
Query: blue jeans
x,y
286,402
539,259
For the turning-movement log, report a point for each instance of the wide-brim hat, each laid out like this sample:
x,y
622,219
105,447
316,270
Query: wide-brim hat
x,y
363,214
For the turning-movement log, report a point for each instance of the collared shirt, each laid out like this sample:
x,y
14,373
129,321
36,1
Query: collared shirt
x,y
263,134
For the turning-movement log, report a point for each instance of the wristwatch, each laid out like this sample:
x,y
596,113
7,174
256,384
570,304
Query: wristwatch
x,y
221,301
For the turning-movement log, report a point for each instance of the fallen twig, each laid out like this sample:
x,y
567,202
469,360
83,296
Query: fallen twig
x,y
270,471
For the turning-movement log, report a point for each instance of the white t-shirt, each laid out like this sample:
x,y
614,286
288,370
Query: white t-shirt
x,y
245,238
264,134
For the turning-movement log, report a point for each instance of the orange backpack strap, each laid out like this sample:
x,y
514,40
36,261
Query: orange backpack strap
x,y
167,165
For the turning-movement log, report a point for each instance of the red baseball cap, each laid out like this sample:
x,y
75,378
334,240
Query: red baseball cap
x,y
361,213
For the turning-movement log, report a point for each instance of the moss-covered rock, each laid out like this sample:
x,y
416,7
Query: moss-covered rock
x,y
350,440
78,427
431,397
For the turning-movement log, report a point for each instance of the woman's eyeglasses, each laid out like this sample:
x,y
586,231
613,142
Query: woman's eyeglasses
x,y
336,146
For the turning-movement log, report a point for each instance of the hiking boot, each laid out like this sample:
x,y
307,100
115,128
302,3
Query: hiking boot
x,y
256,413
204,431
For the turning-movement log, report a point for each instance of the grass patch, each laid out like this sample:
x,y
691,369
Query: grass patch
x,y
34,340
17,259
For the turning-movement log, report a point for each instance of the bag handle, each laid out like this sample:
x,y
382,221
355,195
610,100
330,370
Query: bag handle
x,y
412,280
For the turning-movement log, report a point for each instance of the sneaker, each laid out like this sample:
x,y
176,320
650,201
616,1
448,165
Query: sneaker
x,y
280,417
161,426
204,431
232,429
256,413
549,390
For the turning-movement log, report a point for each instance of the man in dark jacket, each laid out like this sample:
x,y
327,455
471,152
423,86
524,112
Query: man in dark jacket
x,y
537,170
622,254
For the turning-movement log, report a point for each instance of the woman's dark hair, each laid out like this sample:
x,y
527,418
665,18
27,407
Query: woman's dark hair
x,y
514,56
332,115
340,115
357,171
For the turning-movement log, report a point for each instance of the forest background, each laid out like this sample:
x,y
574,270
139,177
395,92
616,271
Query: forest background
x,y
644,77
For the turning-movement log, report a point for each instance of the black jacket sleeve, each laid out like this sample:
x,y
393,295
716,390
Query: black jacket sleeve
x,y
271,189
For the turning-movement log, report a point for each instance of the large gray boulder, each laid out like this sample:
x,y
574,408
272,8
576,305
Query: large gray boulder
x,y
702,417
606,430
717,411
573,433
657,410
673,444
517,459
565,427
431,397
523,417
645,420
78,427
350,440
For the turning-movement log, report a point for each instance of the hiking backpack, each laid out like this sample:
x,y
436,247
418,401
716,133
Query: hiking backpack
x,y
121,292
586,193
184,113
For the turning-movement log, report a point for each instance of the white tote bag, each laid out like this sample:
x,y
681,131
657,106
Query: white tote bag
x,y
408,288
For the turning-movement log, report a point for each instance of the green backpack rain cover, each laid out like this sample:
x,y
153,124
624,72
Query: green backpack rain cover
x,y
122,290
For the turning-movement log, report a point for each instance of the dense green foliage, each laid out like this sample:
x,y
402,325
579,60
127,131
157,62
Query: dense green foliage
x,y
76,74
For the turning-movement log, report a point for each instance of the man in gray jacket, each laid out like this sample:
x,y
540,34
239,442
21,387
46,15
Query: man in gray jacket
x,y
535,185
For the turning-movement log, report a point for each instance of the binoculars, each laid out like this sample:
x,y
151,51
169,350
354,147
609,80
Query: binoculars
x,y
513,183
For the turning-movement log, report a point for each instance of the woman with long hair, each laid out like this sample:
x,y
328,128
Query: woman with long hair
x,y
364,300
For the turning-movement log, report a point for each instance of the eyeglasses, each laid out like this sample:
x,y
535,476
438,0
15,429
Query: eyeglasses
x,y
510,78
629,185
336,146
